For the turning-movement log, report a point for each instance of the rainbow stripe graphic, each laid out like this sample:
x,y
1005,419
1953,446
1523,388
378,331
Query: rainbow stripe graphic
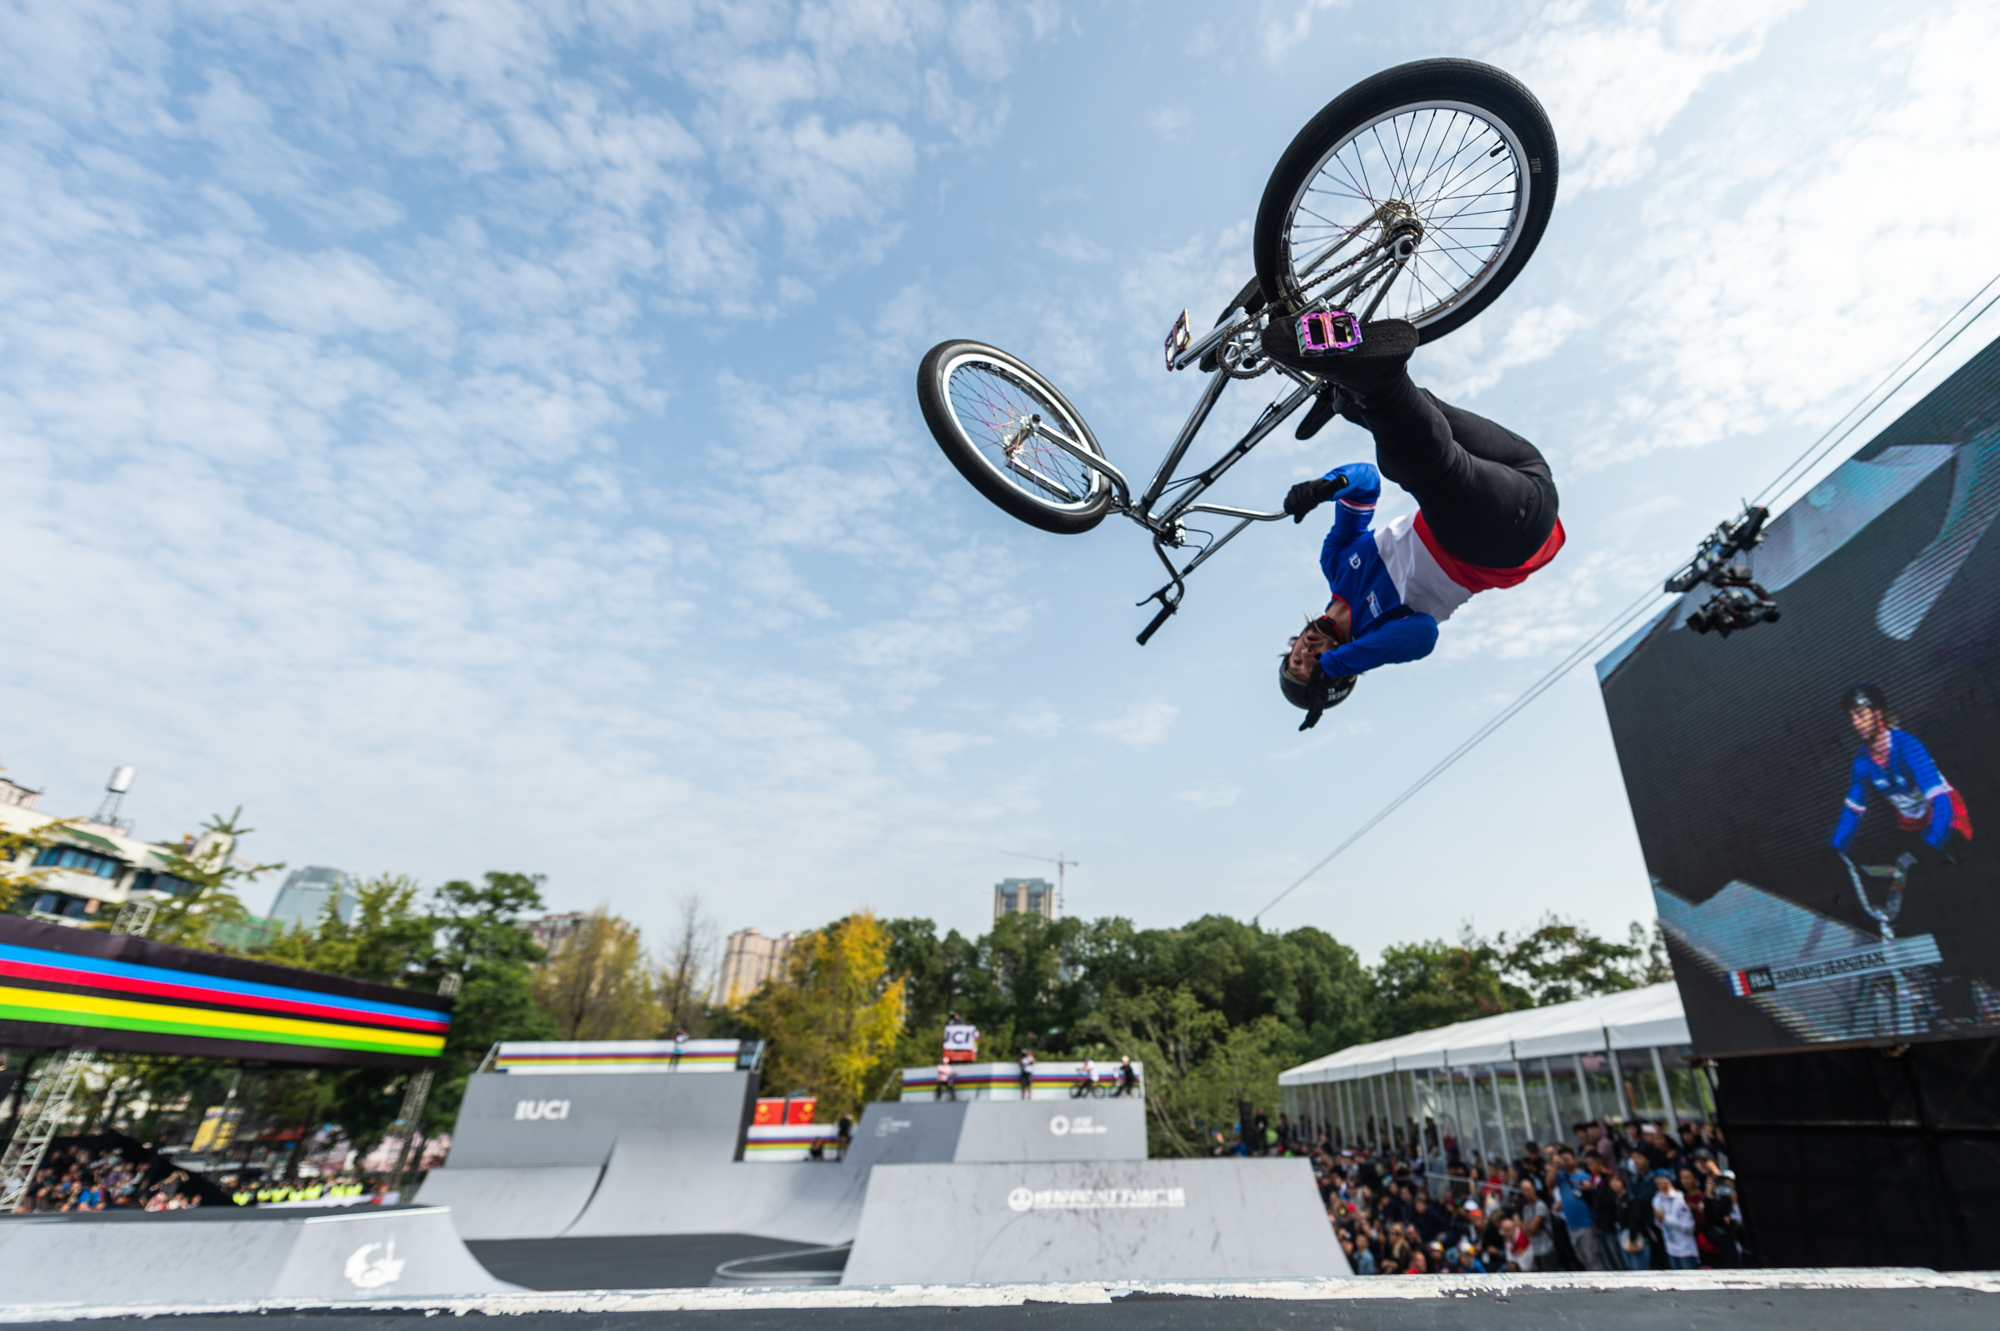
x,y
66,987
550,1056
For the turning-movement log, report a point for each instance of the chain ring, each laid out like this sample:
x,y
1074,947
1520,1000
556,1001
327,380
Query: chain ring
x,y
1248,348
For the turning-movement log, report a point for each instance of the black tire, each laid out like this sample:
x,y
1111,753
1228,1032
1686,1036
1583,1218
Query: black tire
x,y
1028,484
1452,87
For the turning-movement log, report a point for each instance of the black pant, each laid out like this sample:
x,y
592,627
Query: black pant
x,y
1485,492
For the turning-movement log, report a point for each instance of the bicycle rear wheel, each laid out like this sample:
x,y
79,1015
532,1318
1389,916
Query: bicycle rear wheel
x,y
1451,160
980,402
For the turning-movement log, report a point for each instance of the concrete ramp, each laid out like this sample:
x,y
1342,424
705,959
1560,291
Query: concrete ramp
x,y
1114,1220
507,1121
234,1256
650,1187
1018,1131
538,1202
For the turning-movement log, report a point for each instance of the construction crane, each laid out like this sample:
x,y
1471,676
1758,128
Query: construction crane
x,y
1057,860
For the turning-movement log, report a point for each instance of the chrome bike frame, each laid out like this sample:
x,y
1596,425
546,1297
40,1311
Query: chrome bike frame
x,y
1164,517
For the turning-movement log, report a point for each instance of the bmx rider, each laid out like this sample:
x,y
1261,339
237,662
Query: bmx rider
x,y
1486,515
1896,763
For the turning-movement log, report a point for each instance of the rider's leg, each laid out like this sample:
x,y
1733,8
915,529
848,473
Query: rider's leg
x,y
1486,493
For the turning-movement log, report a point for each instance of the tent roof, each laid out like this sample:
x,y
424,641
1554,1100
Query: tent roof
x,y
1634,1019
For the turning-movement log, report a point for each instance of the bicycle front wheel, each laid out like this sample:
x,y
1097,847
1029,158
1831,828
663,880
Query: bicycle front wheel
x,y
1446,165
981,405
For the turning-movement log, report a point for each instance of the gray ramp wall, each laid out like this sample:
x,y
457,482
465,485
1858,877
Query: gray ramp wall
x,y
160,1259
705,1111
907,1134
538,1202
1010,1131
650,1187
1131,1220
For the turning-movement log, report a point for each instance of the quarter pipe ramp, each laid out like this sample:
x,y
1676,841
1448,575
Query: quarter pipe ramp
x,y
1111,1220
229,1256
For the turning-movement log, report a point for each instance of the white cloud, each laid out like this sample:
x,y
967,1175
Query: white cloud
x,y
1142,723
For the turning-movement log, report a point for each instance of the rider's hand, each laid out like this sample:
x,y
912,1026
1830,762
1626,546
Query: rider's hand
x,y
1306,496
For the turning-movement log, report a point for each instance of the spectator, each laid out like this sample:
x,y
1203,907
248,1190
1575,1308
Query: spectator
x,y
844,1134
947,1088
1535,1223
1635,1225
1027,1062
1676,1225
1573,1187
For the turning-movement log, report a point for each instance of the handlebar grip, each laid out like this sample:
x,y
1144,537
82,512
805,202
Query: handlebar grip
x,y
1159,619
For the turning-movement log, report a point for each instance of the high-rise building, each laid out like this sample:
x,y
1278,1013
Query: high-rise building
x,y
304,897
749,960
551,930
1024,896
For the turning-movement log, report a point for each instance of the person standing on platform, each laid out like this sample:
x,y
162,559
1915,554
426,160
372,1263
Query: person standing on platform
x,y
946,1088
844,1135
680,1047
1128,1076
1027,1074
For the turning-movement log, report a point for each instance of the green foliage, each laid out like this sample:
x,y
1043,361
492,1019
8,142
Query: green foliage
x,y
212,875
472,930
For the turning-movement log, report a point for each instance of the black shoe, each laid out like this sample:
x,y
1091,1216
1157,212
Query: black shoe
x,y
1384,353
1325,407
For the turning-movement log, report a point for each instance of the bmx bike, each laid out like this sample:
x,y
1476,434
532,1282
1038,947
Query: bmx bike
x,y
1417,194
1087,1090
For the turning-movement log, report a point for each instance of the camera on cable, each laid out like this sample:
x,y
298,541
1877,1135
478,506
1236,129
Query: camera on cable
x,y
1739,602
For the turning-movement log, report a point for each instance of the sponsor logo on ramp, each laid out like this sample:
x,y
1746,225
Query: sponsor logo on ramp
x,y
1095,1199
542,1109
366,1272
885,1126
1064,1126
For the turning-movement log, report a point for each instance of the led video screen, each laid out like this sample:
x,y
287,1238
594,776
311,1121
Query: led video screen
x,y
1815,796
82,988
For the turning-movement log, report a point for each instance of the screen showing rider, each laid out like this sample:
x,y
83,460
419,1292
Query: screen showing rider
x,y
1896,763
1486,515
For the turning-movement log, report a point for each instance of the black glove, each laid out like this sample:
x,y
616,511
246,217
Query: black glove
x,y
1306,496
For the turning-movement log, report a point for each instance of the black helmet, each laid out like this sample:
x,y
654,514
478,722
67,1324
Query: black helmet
x,y
1332,694
1864,696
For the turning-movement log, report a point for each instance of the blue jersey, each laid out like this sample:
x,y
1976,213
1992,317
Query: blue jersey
x,y
1385,630
1922,798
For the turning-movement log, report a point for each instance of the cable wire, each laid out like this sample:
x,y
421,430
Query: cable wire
x,y
1810,457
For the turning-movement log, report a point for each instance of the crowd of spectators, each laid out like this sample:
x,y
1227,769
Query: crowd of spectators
x,y
87,1178
1642,1199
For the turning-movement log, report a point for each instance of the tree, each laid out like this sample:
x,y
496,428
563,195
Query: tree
x,y
1559,962
207,865
595,987
684,974
833,1020
1419,986
483,941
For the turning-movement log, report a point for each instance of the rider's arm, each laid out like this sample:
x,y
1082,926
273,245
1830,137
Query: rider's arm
x,y
1354,508
1856,805
1409,638
1931,783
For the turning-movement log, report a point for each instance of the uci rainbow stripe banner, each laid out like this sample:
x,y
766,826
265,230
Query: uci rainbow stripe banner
x,y
78,988
551,1056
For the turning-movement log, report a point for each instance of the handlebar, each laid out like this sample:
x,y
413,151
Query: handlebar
x,y
1166,609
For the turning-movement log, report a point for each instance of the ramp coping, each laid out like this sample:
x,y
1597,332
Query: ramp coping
x,y
1370,1288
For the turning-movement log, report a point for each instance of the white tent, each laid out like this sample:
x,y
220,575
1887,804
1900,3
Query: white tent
x,y
1620,1056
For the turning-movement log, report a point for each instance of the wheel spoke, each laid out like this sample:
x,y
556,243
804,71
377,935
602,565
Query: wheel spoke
x,y
990,405
1458,173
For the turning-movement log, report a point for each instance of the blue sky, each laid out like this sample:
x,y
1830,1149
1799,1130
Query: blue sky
x,y
481,436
